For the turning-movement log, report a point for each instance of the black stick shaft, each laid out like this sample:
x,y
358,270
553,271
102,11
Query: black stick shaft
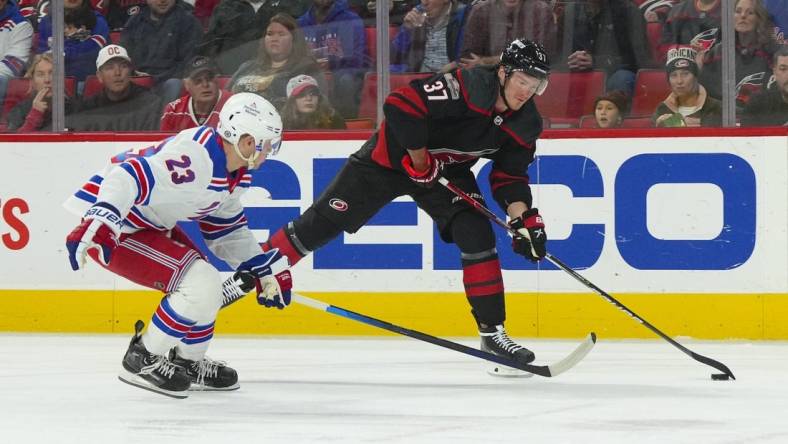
x,y
494,218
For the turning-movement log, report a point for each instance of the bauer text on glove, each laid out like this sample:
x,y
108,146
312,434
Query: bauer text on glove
x,y
531,238
100,229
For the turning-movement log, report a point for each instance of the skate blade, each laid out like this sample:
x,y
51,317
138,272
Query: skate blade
x,y
501,371
136,381
205,388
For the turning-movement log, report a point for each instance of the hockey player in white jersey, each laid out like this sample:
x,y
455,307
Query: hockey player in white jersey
x,y
129,215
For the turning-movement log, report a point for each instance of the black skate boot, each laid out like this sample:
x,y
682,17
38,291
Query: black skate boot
x,y
156,373
208,374
496,341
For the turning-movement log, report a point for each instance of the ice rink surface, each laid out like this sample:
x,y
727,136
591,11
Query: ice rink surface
x,y
64,389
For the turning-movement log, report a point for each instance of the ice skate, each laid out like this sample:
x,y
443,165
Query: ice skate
x,y
496,341
156,373
208,375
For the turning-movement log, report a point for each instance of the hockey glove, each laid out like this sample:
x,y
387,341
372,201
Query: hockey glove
x,y
531,238
427,178
274,290
273,281
100,228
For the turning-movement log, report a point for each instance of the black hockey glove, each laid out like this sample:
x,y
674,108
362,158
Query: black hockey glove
x,y
531,238
427,178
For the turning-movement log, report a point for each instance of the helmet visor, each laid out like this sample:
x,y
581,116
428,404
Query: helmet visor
x,y
537,85
540,89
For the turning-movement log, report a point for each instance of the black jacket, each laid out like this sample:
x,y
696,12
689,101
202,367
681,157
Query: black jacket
x,y
140,111
161,48
766,109
615,35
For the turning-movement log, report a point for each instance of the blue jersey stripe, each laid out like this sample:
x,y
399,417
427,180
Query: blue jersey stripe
x,y
130,169
149,176
85,196
223,220
218,234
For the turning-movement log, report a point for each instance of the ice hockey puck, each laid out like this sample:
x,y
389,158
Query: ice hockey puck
x,y
720,377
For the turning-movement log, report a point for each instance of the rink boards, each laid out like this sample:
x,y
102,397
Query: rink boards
x,y
690,231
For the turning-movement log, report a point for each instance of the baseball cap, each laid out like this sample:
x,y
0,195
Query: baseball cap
x,y
110,52
682,57
200,64
299,83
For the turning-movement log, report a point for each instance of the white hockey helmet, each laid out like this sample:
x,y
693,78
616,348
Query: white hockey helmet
x,y
247,113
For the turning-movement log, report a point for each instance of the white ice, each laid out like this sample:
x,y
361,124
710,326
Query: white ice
x,y
64,389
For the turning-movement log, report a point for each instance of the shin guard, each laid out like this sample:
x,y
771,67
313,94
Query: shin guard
x,y
484,287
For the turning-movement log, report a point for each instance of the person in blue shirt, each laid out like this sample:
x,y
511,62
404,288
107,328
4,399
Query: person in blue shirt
x,y
336,36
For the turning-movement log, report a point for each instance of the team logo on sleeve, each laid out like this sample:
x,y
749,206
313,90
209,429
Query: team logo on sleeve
x,y
338,204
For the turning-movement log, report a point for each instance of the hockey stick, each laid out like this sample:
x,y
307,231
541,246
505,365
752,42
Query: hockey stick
x,y
558,263
234,290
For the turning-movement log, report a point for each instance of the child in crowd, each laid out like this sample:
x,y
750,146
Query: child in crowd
x,y
307,108
609,109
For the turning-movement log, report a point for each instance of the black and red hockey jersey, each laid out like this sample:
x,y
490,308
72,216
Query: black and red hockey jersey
x,y
454,116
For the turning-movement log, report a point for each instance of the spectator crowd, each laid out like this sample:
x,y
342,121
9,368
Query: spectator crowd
x,y
137,65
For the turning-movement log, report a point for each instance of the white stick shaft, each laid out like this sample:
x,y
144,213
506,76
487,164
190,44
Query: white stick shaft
x,y
303,300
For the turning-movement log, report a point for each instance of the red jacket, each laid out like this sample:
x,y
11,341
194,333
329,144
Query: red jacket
x,y
179,114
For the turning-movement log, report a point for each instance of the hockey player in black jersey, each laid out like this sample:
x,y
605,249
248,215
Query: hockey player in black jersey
x,y
438,127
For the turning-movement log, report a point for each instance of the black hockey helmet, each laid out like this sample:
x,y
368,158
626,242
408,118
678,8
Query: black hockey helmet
x,y
529,57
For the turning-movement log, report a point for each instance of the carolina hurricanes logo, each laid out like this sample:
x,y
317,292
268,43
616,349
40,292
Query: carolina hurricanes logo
x,y
749,85
338,204
705,39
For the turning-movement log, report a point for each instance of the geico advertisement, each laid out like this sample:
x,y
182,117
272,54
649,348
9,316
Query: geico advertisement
x,y
637,215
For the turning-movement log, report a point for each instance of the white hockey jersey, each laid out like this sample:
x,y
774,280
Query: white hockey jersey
x,y
183,178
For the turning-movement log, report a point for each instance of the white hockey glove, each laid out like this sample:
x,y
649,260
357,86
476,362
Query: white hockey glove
x,y
100,228
273,281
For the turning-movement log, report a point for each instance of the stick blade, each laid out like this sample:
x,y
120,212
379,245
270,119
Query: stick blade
x,y
573,358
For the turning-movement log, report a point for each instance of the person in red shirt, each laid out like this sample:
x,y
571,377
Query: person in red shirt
x,y
202,102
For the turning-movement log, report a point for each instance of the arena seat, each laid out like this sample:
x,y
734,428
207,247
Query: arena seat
x,y
570,94
359,124
368,107
114,37
651,88
563,122
93,86
19,88
637,122
588,121
371,34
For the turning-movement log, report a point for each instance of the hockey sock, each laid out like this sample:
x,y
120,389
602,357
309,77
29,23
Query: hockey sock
x,y
481,269
166,329
194,345
484,289
186,316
